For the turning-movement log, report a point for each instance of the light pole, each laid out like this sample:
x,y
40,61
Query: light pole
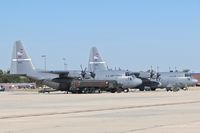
x,y
45,62
65,64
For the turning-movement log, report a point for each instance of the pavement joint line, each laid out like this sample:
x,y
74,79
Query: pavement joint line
x,y
96,110
157,126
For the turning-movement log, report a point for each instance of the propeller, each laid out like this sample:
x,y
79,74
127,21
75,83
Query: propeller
x,y
154,74
92,74
151,73
83,71
157,74
85,75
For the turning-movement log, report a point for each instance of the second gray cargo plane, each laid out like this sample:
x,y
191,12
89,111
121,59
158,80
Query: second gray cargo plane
x,y
100,71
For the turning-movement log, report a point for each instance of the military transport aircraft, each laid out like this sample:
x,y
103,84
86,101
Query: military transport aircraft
x,y
172,81
70,81
100,70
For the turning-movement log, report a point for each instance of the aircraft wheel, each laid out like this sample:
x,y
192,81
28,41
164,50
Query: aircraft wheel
x,y
112,91
141,89
126,90
175,89
147,89
185,89
168,89
119,90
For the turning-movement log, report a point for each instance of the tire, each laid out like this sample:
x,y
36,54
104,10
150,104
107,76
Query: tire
x,y
168,89
185,89
175,89
112,91
153,89
147,89
141,89
119,90
126,90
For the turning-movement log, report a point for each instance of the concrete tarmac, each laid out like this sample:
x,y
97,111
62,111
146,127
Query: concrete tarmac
x,y
137,112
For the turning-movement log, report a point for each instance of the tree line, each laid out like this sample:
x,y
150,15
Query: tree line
x,y
6,77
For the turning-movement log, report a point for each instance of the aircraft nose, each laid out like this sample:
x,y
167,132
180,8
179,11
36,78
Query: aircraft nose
x,y
138,81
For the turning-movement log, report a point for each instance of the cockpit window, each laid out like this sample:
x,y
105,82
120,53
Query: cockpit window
x,y
127,74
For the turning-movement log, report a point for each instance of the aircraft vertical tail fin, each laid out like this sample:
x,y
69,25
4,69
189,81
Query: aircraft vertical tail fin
x,y
95,61
20,63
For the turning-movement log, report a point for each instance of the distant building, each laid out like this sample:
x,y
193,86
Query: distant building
x,y
13,86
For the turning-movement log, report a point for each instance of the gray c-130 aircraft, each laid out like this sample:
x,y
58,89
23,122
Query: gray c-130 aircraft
x,y
69,81
99,68
21,64
150,81
174,81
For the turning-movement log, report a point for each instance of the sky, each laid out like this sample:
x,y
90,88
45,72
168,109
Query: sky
x,y
130,34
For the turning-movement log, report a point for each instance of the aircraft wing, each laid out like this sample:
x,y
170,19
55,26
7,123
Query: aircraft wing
x,y
66,74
